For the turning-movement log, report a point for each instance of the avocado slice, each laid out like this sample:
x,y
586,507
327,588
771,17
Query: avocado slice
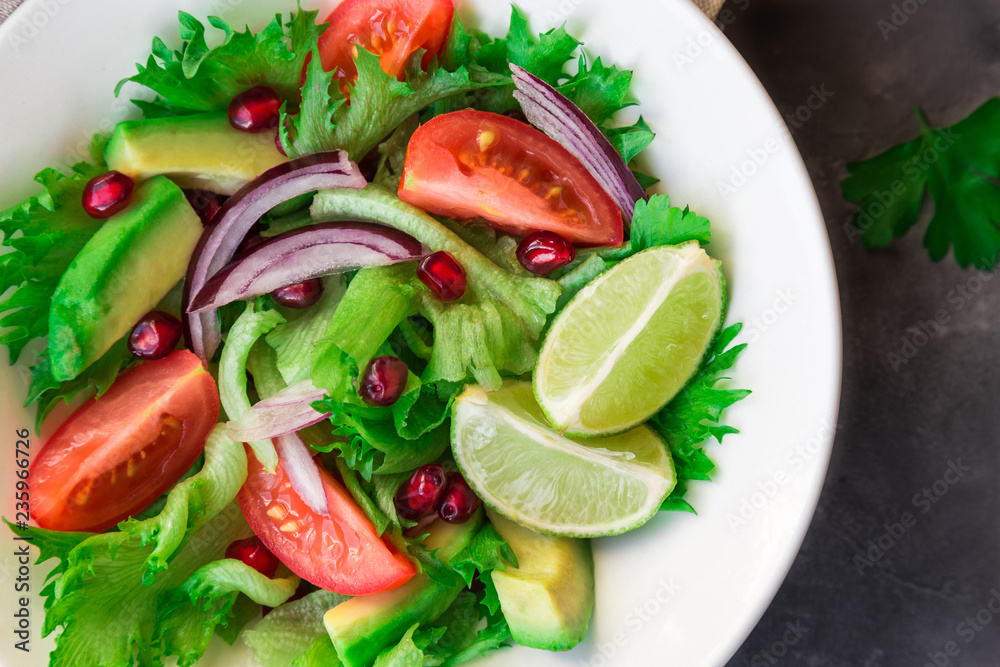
x,y
548,599
201,151
362,627
123,271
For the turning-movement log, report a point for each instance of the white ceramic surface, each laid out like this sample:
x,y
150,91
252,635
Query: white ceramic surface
x,y
683,590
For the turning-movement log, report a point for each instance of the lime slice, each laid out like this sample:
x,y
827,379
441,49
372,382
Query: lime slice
x,y
545,481
630,340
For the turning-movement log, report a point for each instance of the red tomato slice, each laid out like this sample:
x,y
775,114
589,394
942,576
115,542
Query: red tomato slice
x,y
341,552
117,454
468,164
391,29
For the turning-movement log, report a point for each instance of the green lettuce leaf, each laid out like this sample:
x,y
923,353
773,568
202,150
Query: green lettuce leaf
x,y
248,328
488,551
494,328
695,414
378,104
142,593
288,633
197,78
459,635
544,56
404,654
44,233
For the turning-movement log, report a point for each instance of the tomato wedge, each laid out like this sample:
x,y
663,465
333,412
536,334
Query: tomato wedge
x,y
468,164
341,552
117,454
391,29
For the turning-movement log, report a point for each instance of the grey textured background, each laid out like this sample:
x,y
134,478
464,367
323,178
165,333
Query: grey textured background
x,y
900,428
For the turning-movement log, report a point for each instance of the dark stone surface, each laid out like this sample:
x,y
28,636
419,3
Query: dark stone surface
x,y
902,427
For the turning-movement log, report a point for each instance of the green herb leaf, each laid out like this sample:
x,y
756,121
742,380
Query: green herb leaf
x,y
959,167
695,414
545,56
197,78
599,90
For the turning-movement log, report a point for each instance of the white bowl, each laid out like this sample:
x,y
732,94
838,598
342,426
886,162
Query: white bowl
x,y
683,590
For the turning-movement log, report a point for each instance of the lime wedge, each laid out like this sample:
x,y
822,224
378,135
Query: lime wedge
x,y
523,469
630,340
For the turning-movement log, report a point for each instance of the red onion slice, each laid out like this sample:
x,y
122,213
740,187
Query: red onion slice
x,y
302,471
320,171
286,412
555,115
302,254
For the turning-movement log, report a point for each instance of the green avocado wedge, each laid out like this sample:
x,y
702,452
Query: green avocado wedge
x,y
548,599
362,627
126,268
201,151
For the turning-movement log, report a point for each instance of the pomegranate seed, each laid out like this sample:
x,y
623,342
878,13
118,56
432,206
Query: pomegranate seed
x,y
277,144
155,335
206,204
419,496
383,381
253,552
299,295
443,275
255,110
107,194
458,503
544,252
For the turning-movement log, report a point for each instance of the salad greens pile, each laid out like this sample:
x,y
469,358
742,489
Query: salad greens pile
x,y
159,586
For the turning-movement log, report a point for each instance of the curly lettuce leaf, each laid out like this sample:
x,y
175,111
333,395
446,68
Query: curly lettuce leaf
x,y
196,78
378,104
493,329
252,325
461,634
286,635
695,415
44,233
545,56
157,587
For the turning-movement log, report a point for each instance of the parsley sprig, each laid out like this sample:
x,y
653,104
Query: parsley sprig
x,y
959,166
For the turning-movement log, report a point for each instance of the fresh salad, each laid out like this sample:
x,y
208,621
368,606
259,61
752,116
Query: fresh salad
x,y
382,325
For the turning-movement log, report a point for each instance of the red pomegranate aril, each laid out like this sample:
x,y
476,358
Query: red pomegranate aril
x,y
383,381
299,295
443,275
206,204
419,497
155,335
107,194
255,110
253,552
543,252
458,503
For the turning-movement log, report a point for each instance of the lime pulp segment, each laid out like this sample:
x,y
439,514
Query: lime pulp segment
x,y
629,341
551,483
